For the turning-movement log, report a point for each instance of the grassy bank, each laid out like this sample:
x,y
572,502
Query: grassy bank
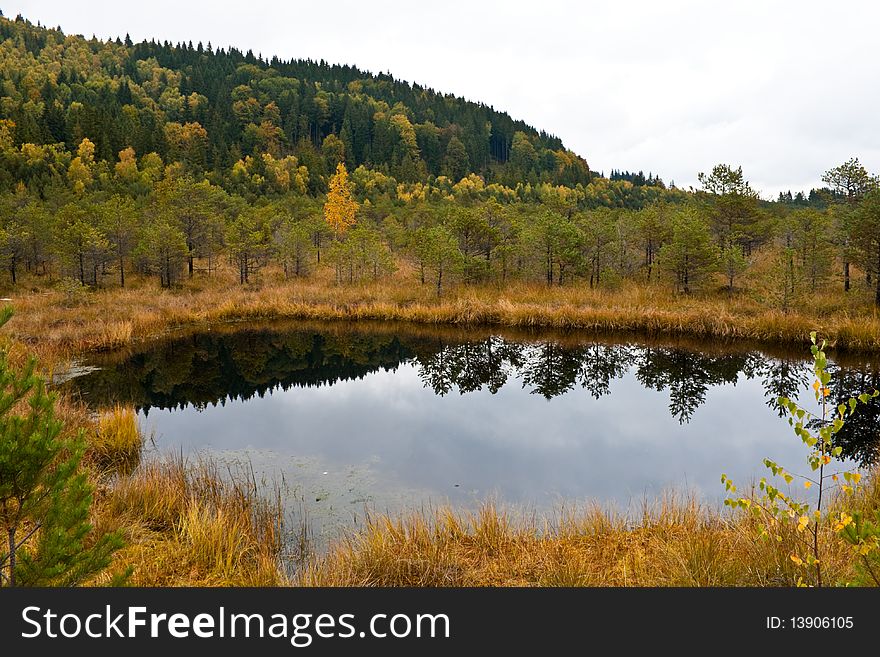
x,y
58,325
193,525
184,523
672,542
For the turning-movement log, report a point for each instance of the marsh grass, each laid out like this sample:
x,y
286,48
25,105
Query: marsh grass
x,y
674,541
192,524
112,318
117,442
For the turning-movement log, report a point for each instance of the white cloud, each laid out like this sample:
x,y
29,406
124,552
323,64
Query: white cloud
x,y
783,88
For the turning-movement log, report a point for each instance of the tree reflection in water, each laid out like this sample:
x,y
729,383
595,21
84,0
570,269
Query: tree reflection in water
x,y
209,368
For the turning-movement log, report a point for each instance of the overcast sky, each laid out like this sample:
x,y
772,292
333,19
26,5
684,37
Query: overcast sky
x,y
785,88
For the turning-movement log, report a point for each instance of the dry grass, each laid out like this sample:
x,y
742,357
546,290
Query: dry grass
x,y
192,525
113,317
674,542
117,443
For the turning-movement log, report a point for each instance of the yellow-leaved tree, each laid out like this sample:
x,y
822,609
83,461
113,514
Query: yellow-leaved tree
x,y
340,208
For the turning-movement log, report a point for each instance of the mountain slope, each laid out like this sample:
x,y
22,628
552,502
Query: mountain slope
x,y
212,107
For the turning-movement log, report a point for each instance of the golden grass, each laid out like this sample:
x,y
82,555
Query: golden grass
x,y
117,443
112,318
674,542
191,525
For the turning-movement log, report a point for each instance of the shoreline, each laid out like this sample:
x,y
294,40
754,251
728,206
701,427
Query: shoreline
x,y
56,329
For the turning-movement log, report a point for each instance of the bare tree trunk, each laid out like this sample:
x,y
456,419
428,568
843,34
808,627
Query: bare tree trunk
x,y
877,293
687,289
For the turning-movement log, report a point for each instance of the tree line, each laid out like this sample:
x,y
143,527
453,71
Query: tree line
x,y
163,222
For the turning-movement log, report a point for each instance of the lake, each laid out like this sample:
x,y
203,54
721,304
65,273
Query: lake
x,y
392,417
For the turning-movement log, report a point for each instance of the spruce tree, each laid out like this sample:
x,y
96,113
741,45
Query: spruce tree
x,y
45,497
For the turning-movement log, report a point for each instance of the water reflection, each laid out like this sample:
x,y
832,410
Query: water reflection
x,y
392,418
211,368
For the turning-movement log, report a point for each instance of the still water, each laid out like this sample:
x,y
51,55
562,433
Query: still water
x,y
391,418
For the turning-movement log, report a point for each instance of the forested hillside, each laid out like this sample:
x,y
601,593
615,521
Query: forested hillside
x,y
212,109
175,162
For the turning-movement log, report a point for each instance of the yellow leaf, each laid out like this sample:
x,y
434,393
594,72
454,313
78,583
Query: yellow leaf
x,y
797,560
808,484
826,459
803,521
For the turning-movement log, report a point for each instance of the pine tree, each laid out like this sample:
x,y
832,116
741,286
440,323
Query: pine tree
x,y
690,254
45,498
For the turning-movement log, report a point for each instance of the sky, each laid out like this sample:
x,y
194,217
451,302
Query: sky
x,y
786,89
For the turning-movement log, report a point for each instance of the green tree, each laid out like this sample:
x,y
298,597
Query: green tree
x,y
45,497
732,262
13,247
37,228
195,207
333,150
249,243
295,247
471,227
438,253
866,233
690,255
850,182
162,250
360,254
554,243
810,236
83,247
119,221
652,227
522,155
456,162
598,233
733,206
